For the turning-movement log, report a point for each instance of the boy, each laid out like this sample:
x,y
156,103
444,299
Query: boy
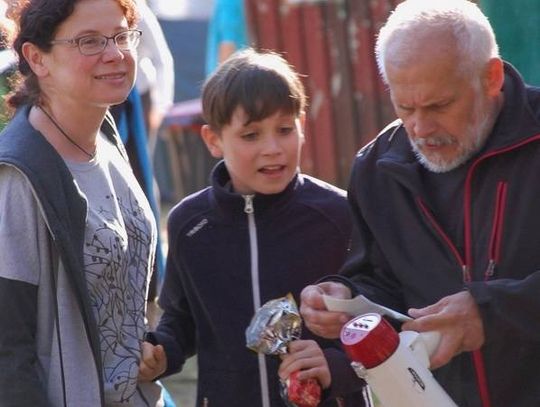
x,y
259,231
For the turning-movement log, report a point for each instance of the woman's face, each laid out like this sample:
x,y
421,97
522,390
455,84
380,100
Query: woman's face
x,y
97,80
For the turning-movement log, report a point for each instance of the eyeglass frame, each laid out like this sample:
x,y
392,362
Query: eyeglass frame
x,y
76,41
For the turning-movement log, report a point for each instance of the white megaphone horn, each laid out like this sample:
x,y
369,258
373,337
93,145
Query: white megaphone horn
x,y
396,367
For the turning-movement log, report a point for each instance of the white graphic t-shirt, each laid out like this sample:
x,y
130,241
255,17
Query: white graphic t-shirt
x,y
118,255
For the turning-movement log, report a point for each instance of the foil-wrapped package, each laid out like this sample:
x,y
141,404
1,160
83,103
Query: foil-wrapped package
x,y
273,326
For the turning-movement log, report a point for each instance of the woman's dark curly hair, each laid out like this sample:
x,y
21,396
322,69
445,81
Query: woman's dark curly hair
x,y
37,21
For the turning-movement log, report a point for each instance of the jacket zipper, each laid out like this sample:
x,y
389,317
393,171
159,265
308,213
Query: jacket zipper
x,y
497,230
255,284
464,269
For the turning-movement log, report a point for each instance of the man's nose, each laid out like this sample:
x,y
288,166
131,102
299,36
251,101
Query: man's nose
x,y
423,125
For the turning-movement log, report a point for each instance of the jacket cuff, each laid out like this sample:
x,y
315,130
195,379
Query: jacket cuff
x,y
343,280
175,359
345,382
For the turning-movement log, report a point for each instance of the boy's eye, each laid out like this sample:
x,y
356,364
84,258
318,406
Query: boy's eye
x,y
249,136
286,130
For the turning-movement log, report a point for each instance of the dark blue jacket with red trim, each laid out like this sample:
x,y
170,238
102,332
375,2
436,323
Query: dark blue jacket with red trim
x,y
216,250
405,258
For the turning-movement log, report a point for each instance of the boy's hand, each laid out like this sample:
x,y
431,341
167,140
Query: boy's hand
x,y
153,362
307,357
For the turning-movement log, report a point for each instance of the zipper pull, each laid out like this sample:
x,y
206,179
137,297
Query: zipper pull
x,y
465,273
248,207
490,271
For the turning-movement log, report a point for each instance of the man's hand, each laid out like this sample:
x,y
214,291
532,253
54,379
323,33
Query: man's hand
x,y
153,362
316,317
458,320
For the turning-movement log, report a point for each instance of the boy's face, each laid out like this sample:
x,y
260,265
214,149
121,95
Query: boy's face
x,y
261,157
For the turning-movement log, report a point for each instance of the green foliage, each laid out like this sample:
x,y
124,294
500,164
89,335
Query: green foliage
x,y
4,89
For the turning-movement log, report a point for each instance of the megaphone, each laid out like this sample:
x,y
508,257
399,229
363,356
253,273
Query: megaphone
x,y
395,366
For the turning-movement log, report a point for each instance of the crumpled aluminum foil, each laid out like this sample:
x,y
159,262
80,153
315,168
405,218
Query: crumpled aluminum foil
x,y
273,326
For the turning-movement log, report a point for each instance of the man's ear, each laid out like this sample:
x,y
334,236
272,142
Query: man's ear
x,y
34,57
494,76
212,141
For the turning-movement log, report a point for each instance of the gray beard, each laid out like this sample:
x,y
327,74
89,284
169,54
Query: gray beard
x,y
477,137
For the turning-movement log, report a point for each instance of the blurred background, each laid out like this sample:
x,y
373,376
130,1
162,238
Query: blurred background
x,y
331,43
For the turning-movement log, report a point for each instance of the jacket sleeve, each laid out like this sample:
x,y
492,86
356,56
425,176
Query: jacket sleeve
x,y
19,380
176,328
366,271
509,305
20,228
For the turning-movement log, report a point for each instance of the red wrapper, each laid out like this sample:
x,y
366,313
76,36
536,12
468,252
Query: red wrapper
x,y
305,393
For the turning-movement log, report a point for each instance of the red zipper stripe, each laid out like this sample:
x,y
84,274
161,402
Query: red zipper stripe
x,y
481,377
441,232
502,211
467,198
497,229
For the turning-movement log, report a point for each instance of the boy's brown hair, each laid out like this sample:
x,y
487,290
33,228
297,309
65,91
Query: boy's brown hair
x,y
262,83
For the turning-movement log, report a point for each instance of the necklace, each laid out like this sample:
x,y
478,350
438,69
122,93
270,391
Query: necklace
x,y
90,155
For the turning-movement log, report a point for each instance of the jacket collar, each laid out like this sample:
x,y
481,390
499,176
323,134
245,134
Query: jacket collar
x,y
231,204
516,121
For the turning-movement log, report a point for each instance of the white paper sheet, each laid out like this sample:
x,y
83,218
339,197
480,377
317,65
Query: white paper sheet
x,y
361,305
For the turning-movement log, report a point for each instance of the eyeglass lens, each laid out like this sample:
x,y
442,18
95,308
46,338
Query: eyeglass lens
x,y
93,44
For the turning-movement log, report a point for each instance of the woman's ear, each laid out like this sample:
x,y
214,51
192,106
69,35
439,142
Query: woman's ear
x,y
34,58
212,141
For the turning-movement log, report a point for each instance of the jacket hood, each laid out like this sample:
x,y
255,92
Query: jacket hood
x,y
24,147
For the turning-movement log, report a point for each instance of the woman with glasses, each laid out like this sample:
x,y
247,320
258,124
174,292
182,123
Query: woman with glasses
x,y
77,236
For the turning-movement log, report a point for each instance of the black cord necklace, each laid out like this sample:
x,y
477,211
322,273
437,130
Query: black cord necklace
x,y
90,155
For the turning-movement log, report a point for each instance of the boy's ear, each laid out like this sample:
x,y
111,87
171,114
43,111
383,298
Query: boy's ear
x,y
212,141
302,120
34,57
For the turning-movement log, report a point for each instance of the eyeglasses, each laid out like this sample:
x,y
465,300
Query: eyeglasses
x,y
96,43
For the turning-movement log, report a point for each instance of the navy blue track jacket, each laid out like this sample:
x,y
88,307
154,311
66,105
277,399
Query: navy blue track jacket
x,y
217,254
